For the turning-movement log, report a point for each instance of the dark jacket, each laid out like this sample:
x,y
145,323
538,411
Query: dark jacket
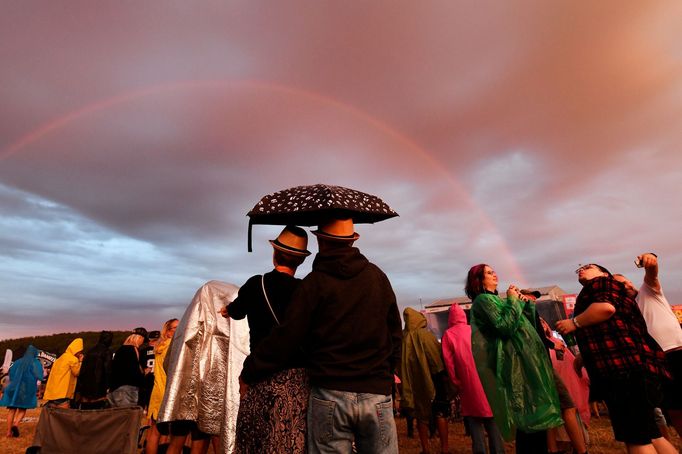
x,y
126,368
251,303
345,316
94,379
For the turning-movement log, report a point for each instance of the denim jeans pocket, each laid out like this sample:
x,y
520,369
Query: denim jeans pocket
x,y
322,419
385,416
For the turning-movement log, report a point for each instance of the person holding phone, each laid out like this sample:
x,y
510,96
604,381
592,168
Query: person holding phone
x,y
664,327
624,362
512,363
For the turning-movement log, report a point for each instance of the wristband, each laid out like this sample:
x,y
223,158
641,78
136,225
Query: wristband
x,y
575,323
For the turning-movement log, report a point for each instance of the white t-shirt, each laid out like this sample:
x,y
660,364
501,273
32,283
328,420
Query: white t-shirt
x,y
660,319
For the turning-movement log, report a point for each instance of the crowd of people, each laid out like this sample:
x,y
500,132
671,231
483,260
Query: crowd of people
x,y
318,368
628,340
341,323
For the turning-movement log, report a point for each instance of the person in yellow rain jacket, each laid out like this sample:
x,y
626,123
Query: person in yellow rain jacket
x,y
160,350
62,380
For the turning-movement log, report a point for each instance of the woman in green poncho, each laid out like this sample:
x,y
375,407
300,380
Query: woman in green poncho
x,y
514,368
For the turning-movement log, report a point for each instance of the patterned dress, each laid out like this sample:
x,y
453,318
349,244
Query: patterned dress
x,y
272,415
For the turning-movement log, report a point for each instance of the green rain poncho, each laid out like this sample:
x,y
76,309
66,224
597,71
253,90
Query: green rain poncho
x,y
421,359
513,365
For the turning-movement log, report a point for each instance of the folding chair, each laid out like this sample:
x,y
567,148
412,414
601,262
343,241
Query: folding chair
x,y
66,431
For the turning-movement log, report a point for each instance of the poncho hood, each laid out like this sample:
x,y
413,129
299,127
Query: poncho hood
x,y
31,352
413,319
456,316
75,346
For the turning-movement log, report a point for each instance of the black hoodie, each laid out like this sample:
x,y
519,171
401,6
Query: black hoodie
x,y
344,315
93,380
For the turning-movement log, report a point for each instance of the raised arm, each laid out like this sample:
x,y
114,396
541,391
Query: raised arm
x,y
238,308
650,263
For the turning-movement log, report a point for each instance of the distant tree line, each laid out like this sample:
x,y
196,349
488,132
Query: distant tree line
x,y
57,343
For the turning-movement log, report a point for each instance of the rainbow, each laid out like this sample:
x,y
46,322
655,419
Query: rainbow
x,y
54,125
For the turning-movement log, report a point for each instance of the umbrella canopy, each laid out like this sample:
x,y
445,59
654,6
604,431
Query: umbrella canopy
x,y
309,205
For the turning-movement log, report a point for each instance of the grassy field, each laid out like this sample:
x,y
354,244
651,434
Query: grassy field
x,y
601,437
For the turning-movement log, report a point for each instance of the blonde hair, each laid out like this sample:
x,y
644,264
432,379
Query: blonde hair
x,y
134,339
164,339
166,328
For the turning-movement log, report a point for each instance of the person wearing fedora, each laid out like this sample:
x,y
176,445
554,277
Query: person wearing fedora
x,y
345,317
272,412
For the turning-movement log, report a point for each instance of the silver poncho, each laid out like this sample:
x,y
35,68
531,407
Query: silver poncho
x,y
204,363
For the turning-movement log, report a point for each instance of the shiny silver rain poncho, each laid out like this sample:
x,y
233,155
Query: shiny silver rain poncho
x,y
204,363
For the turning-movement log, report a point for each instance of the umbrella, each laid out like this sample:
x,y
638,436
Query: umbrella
x,y
309,205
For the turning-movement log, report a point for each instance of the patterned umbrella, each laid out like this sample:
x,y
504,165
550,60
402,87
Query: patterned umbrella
x,y
308,205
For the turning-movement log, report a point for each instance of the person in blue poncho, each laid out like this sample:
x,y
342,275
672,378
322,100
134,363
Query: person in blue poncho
x,y
20,394
511,361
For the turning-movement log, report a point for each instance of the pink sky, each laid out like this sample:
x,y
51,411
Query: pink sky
x,y
135,137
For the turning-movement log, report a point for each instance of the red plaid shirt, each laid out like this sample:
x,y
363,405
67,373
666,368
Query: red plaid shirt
x,y
622,343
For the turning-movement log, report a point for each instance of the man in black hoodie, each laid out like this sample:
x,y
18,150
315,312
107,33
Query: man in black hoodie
x,y
345,317
94,379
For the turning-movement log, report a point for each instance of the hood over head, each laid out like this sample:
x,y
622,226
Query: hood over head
x,y
413,319
342,262
105,338
75,346
456,316
31,352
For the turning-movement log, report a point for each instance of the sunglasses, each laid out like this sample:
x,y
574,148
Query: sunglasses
x,y
585,267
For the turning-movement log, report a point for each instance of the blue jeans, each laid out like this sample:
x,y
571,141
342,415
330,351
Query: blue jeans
x,y
336,419
477,426
123,396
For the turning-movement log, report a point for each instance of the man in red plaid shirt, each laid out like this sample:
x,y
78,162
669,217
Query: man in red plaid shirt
x,y
622,359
